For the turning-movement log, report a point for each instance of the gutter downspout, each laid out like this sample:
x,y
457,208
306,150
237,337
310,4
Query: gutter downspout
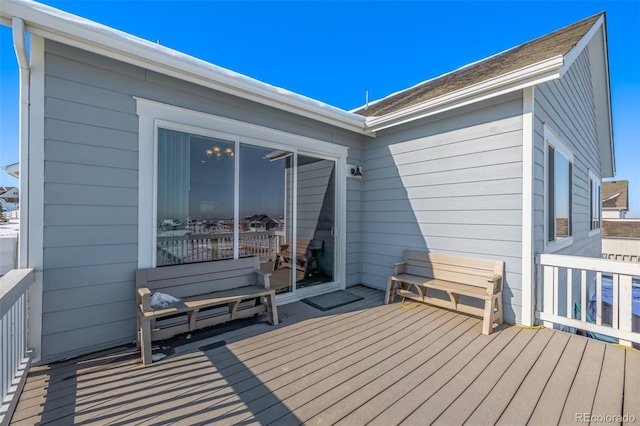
x,y
18,31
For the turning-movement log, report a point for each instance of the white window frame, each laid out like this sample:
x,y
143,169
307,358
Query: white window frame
x,y
152,115
595,181
551,139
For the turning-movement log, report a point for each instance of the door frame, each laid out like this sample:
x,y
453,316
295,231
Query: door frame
x,y
153,115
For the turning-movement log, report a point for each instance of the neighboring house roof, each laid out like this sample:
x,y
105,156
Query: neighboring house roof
x,y
615,195
5,189
557,43
13,170
623,228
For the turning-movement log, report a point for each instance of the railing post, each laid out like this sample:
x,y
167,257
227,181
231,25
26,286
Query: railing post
x,y
625,306
549,284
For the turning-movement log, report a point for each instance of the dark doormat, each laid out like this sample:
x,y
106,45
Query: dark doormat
x,y
324,302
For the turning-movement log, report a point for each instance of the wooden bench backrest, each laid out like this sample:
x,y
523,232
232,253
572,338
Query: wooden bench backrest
x,y
199,278
466,270
304,247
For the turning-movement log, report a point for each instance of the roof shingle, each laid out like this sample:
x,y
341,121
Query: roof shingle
x,y
557,43
615,194
626,228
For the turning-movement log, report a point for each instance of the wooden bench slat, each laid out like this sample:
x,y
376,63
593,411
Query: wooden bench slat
x,y
209,286
207,300
443,285
178,271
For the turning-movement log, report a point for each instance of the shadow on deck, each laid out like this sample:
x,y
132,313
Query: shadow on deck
x,y
358,364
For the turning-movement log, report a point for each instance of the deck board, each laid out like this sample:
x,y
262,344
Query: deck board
x,y
519,408
432,383
552,400
609,392
498,382
583,389
394,385
306,356
363,363
321,368
631,403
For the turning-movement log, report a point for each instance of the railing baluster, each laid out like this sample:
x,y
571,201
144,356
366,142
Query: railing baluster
x,y
569,293
599,298
615,313
556,290
583,295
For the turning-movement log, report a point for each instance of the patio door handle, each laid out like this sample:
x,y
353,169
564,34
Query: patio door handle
x,y
333,231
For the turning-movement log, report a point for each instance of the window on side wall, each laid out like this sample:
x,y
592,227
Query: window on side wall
x,y
559,192
595,203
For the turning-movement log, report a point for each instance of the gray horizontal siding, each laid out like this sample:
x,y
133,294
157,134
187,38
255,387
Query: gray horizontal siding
x,y
91,181
448,184
567,107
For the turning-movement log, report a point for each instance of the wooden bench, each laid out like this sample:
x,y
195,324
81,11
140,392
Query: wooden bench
x,y
306,256
455,275
203,288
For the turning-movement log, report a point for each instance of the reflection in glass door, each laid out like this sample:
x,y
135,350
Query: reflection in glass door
x,y
315,221
220,198
264,224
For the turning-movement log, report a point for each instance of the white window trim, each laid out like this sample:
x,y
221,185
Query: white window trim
x,y
598,180
152,114
550,138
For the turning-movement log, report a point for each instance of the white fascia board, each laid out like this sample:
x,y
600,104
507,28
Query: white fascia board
x,y
605,117
516,80
69,29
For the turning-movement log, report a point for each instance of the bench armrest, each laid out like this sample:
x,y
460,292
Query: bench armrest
x,y
398,268
144,299
495,283
263,278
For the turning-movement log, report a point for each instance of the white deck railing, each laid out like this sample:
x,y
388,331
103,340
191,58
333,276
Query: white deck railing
x,y
15,359
566,281
204,248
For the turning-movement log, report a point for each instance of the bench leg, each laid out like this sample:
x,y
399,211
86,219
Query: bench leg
x,y
498,315
233,308
191,316
390,295
492,314
145,342
138,332
272,308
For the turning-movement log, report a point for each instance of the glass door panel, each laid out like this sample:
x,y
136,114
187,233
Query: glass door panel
x,y
194,198
263,226
315,221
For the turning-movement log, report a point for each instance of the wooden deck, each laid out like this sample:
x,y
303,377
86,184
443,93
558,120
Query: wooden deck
x,y
364,363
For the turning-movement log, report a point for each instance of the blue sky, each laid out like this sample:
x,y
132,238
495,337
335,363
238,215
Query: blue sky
x,y
336,51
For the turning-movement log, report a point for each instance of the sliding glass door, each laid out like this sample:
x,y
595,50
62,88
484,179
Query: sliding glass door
x,y
315,221
220,198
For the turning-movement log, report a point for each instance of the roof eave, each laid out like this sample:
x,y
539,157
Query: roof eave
x,y
525,77
85,34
